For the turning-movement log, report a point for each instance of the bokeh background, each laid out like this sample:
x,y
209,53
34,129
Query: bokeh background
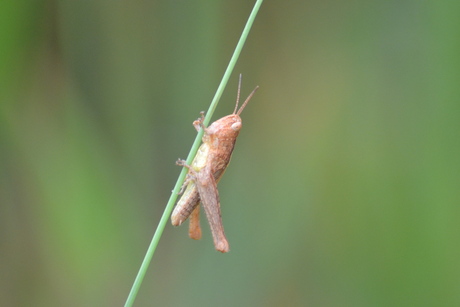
x,y
343,188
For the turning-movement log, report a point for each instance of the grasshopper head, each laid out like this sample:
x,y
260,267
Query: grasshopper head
x,y
226,127
229,127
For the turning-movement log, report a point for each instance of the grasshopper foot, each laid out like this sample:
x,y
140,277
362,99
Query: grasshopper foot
x,y
183,163
199,122
187,180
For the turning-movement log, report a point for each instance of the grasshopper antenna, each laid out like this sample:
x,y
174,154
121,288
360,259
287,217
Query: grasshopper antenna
x,y
247,100
238,94
238,98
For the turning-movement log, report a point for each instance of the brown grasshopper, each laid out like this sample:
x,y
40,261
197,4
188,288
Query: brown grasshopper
x,y
204,173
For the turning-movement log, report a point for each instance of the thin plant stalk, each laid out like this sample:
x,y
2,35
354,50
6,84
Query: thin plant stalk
x,y
172,200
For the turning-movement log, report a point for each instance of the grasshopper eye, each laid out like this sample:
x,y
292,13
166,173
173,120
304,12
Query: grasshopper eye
x,y
236,126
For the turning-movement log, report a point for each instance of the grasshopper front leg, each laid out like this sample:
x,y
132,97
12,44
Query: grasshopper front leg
x,y
199,122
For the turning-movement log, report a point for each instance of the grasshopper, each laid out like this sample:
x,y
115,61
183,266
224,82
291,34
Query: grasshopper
x,y
204,173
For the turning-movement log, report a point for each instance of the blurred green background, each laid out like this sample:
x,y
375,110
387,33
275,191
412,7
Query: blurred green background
x,y
343,188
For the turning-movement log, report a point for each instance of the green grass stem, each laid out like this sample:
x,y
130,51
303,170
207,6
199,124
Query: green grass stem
x,y
172,200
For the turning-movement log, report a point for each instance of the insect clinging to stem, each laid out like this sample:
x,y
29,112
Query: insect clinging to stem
x,y
204,173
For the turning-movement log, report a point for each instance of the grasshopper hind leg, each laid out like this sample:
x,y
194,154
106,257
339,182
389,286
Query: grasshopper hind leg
x,y
194,230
